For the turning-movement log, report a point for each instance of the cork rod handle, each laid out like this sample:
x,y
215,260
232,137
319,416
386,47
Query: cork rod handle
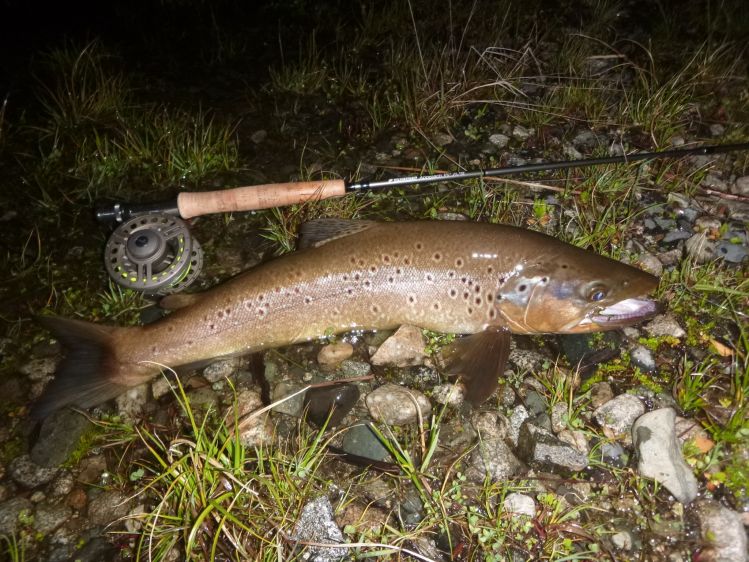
x,y
254,197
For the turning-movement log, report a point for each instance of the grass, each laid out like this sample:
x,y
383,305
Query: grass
x,y
352,84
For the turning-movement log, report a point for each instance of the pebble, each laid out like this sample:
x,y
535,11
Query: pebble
x,y
517,418
526,360
397,405
493,458
711,181
360,440
58,437
642,358
48,517
659,454
622,540
220,370
722,532
404,348
9,512
676,235
576,439
650,263
330,404
490,425
334,353
559,417
542,450
259,136
617,416
733,253
741,186
585,140
62,484
700,248
29,474
316,524
519,504
499,140
717,130
257,430
571,152
450,394
600,393
108,506
352,368
664,325
442,139
522,133
131,403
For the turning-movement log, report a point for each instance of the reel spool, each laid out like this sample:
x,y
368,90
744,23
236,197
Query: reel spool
x,y
153,254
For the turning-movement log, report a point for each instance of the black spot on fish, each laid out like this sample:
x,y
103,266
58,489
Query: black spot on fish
x,y
459,262
362,263
565,266
307,299
375,308
470,310
453,293
451,274
211,326
260,312
373,269
437,256
522,287
477,289
367,283
499,296
220,314
357,277
350,291
436,306
228,311
386,258
430,277
154,349
391,279
492,313
396,254
406,261
463,279
503,280
489,297
419,246
477,300
411,299
345,277
466,294
546,280
353,260
490,269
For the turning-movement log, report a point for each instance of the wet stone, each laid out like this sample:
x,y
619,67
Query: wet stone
x,y
97,549
404,348
493,458
220,370
353,368
700,248
575,439
675,236
258,429
396,405
721,531
330,404
522,133
600,393
650,263
317,524
741,186
642,358
360,440
131,404
332,354
9,513
490,425
62,484
664,325
622,540
450,394
48,517
542,450
293,406
733,253
108,506
58,437
517,418
29,474
519,504
659,454
499,140
618,414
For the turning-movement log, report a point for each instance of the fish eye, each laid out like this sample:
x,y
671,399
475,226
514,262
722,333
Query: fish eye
x,y
597,293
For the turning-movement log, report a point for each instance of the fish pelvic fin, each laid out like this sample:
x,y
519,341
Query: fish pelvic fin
x,y
479,360
87,374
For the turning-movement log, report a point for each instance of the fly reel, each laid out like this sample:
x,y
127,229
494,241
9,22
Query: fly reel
x,y
153,254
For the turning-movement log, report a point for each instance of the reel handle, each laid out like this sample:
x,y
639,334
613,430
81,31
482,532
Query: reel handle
x,y
255,197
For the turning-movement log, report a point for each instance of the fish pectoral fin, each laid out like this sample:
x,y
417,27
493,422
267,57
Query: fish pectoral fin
x,y
479,359
321,231
178,300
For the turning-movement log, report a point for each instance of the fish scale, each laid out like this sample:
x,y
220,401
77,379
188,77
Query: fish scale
x,y
446,276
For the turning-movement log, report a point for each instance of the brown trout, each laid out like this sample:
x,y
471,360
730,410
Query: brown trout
x,y
447,276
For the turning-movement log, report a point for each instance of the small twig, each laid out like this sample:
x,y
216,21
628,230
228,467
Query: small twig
x,y
722,195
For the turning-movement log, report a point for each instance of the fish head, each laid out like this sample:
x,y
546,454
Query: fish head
x,y
575,292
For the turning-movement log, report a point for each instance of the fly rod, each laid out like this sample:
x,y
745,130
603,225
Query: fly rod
x,y
256,197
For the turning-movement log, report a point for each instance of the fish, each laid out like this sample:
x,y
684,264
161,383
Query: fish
x,y
478,280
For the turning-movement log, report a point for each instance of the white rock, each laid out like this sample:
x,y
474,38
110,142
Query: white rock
x,y
334,353
659,454
397,405
664,325
618,414
519,504
404,348
451,394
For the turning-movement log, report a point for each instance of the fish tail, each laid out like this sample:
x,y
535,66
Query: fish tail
x,y
88,374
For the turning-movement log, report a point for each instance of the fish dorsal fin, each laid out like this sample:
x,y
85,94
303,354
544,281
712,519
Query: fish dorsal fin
x,y
321,231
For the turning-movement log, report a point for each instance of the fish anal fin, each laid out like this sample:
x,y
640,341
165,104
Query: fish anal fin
x,y
480,360
321,231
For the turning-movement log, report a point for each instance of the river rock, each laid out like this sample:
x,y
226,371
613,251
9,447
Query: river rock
x,y
700,248
317,524
541,449
517,418
397,405
722,531
404,348
600,393
659,454
519,504
9,512
741,186
499,140
330,404
131,404
107,507
29,474
256,430
48,517
361,441
618,414
222,369
665,325
493,458
642,358
451,394
334,353
58,437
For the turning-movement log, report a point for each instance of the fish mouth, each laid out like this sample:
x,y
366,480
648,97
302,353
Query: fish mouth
x,y
623,313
